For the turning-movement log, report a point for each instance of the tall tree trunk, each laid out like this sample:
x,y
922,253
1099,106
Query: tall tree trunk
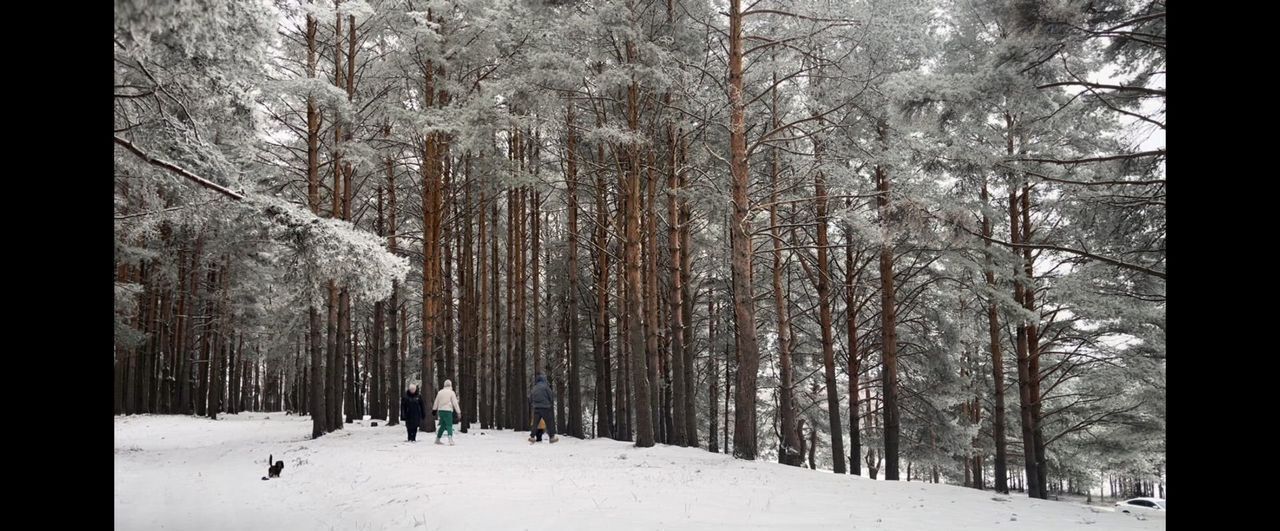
x,y
333,362
1033,345
431,217
510,417
470,351
344,336
404,345
377,361
519,323
215,375
650,298
186,344
675,313
212,341
217,380
600,340
535,239
486,375
246,386
562,361
189,357
889,323
131,362
515,367
748,354
451,365
855,357
318,407
790,453
206,340
344,305
234,361
335,344
301,396
515,363
713,377
395,376
824,313
497,329
625,399
997,357
571,180
120,357
729,362
1025,376
151,333
686,301
495,321
128,370
508,353
644,432
635,289
168,344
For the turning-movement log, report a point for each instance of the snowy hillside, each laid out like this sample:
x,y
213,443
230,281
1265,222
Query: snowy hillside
x,y
179,472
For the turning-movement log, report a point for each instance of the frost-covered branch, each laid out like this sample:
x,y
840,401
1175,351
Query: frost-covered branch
x,y
177,169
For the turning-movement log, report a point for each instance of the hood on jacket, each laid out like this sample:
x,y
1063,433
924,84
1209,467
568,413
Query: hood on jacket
x,y
448,383
539,378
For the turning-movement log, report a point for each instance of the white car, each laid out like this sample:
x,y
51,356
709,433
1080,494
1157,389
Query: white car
x,y
1141,505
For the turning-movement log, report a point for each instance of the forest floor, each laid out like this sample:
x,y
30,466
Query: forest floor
x,y
180,472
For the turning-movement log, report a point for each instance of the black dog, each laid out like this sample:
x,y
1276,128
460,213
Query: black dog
x,y
274,470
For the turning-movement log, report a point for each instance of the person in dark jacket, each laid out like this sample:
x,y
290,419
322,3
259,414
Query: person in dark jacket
x,y
543,401
412,411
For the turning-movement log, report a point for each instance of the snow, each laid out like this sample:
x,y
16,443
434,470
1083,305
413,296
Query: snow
x,y
178,472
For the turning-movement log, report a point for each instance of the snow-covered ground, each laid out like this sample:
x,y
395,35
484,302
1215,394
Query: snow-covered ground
x,y
174,472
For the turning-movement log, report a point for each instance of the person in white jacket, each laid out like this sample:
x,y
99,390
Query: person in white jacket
x,y
446,406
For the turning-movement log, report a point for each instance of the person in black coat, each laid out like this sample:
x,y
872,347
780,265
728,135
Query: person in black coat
x,y
543,400
412,411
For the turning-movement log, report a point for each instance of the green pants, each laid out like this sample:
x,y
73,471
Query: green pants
x,y
446,423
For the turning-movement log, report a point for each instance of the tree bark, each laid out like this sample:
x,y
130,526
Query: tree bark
x,y
658,384
889,323
377,362
600,340
748,354
997,357
1025,376
640,375
824,313
791,452
571,180
485,347
675,313
1033,345
690,416
713,378
317,407
431,217
395,376
855,357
